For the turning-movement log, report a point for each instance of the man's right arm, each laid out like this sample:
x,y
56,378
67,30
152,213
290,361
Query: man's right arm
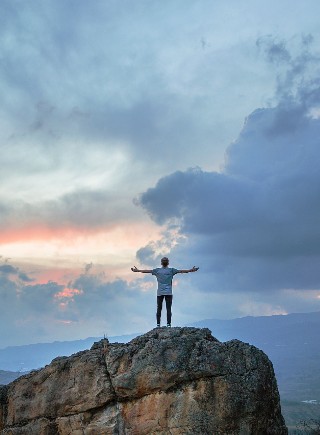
x,y
134,269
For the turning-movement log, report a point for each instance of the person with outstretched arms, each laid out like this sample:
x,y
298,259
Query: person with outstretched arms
x,y
164,275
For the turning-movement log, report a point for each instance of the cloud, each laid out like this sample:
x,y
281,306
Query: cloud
x,y
95,104
89,210
92,105
255,225
90,305
7,271
276,51
155,250
111,81
296,64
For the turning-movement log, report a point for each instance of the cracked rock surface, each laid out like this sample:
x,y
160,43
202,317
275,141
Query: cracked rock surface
x,y
168,381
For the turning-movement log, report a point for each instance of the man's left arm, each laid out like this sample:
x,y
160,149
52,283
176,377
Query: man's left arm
x,y
194,269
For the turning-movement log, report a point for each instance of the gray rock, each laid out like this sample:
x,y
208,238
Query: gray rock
x,y
168,381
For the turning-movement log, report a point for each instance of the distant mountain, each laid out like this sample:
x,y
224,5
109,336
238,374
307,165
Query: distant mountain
x,y
277,330
7,377
33,356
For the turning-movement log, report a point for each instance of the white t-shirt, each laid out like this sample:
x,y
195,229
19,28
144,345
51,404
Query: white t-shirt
x,y
164,277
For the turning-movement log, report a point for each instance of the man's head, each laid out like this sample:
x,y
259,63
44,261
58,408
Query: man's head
x,y
164,261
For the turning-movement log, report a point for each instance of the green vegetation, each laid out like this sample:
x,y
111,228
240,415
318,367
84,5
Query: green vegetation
x,y
297,414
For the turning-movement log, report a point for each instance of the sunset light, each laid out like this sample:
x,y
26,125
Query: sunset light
x,y
151,129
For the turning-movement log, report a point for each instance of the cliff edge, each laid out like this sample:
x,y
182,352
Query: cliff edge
x,y
168,381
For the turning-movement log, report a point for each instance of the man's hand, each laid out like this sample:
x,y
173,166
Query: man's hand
x,y
134,269
194,269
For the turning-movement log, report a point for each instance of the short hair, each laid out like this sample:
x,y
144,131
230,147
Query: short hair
x,y
164,259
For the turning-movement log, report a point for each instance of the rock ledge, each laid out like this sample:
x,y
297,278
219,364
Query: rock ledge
x,y
167,381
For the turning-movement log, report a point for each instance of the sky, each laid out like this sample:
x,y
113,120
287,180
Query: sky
x,y
132,130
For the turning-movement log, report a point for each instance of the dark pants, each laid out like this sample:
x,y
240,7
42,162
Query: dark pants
x,y
168,305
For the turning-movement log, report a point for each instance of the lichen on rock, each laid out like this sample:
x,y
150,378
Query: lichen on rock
x,y
167,381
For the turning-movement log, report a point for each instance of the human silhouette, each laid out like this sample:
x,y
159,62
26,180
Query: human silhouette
x,y
164,275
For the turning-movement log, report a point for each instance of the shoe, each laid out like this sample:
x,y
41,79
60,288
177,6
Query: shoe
x,y
168,325
158,325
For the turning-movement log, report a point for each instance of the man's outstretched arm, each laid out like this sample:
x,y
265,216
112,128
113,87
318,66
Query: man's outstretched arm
x,y
134,269
194,269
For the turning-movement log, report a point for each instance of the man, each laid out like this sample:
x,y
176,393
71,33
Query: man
x,y
164,277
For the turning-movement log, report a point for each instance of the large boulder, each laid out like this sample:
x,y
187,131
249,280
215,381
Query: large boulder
x,y
168,381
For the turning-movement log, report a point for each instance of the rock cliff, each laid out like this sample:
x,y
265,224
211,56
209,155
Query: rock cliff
x,y
168,381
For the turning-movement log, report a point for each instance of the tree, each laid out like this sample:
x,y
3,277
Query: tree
x,y
309,427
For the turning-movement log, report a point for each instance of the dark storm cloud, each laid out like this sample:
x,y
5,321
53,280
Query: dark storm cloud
x,y
256,224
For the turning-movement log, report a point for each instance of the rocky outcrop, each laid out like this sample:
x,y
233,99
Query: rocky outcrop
x,y
168,381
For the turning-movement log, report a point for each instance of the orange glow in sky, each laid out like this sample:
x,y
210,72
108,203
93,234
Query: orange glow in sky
x,y
61,254
68,293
